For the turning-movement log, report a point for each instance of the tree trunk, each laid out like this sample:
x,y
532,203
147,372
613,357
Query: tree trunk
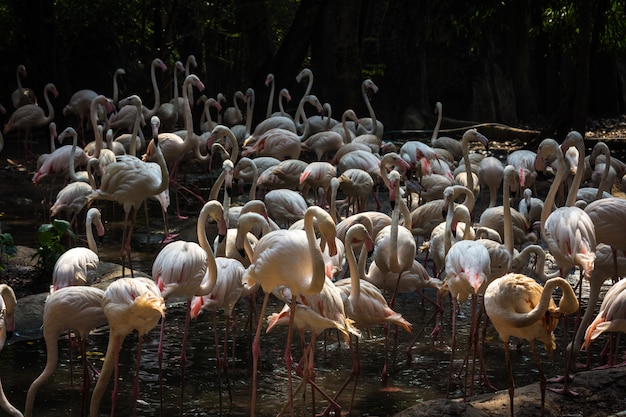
x,y
581,94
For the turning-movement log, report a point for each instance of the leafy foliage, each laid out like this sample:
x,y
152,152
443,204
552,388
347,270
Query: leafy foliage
x,y
51,247
7,248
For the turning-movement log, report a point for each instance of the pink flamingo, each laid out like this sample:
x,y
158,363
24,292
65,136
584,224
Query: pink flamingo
x,y
7,324
128,304
179,269
78,308
520,307
290,258
129,181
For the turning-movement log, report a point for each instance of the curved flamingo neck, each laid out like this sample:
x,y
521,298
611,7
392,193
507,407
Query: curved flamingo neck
x,y
370,109
607,167
466,161
356,271
157,95
72,162
116,90
270,100
93,115
250,101
209,284
438,108
509,172
580,170
91,242
318,275
558,179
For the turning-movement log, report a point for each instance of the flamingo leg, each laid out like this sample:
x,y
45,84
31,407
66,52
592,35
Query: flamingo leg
x,y
288,357
510,375
453,349
217,360
136,387
116,374
183,356
256,353
542,380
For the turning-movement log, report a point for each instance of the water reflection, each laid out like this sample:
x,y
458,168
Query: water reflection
x,y
423,378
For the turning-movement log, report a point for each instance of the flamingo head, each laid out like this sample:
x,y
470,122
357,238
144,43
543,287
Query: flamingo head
x,y
269,79
278,318
196,306
475,135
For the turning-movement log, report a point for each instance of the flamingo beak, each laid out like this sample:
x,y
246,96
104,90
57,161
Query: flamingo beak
x,y
332,247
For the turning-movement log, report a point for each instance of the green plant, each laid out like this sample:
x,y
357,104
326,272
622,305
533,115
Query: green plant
x,y
50,246
7,248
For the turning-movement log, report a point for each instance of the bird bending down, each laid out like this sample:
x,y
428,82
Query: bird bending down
x,y
129,304
78,308
518,306
611,317
7,325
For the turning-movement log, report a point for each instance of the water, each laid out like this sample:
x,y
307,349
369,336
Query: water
x,y
421,377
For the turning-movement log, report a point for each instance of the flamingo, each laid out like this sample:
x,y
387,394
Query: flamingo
x,y
317,175
125,117
316,312
175,147
128,304
226,292
52,128
363,301
31,116
71,267
242,131
490,174
589,194
232,115
7,324
282,143
425,217
444,142
520,307
169,113
369,124
523,161
71,199
290,258
611,316
285,206
468,267
77,308
456,227
283,120
395,245
178,270
323,144
130,181
508,222
79,105
356,185
22,96
530,207
568,232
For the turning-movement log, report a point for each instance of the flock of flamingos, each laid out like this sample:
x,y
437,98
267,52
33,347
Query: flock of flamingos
x,y
311,179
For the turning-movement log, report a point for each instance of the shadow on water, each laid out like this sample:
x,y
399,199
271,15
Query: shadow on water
x,y
422,377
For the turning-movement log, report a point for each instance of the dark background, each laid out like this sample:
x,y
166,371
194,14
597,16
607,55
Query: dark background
x,y
551,64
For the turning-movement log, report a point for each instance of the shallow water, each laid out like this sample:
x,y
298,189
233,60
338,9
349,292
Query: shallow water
x,y
421,377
